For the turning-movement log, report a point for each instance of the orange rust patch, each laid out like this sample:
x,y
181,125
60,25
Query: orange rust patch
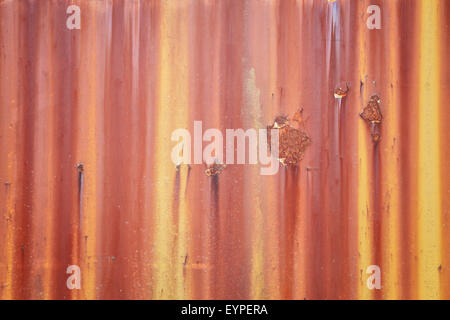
x,y
372,115
372,112
293,141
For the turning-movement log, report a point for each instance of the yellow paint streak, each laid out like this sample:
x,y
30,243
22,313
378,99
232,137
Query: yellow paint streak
x,y
183,289
272,223
172,114
391,167
429,211
252,110
365,229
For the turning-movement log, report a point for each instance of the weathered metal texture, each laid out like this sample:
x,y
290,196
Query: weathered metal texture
x,y
86,178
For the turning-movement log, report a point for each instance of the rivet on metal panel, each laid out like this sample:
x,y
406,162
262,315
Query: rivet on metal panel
x,y
341,90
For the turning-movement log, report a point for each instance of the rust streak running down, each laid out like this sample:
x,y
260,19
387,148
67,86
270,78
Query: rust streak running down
x,y
86,177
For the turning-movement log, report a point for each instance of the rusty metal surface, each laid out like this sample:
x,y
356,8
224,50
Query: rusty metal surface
x,y
86,178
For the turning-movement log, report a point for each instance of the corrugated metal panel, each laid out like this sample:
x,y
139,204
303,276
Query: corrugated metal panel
x,y
86,118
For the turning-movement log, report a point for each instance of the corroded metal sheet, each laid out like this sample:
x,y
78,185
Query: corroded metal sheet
x,y
86,117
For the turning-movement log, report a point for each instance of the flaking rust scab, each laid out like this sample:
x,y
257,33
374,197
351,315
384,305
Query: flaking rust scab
x,y
372,115
293,140
215,169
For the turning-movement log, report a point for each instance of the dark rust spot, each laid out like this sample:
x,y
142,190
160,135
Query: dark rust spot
x,y
280,121
215,169
80,167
